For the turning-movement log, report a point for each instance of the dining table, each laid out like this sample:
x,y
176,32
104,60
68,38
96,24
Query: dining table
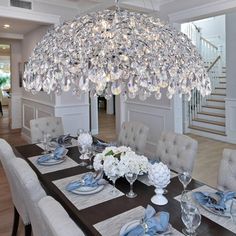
x,y
104,214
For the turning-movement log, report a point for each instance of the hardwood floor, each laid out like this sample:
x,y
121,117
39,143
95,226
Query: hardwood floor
x,y
205,169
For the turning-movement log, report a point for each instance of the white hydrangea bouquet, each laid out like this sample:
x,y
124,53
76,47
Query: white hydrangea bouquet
x,y
85,139
118,161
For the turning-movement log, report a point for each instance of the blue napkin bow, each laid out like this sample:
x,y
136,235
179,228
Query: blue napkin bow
x,y
206,199
151,224
88,180
57,155
63,139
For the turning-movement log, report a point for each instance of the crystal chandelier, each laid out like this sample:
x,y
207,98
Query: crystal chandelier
x,y
116,52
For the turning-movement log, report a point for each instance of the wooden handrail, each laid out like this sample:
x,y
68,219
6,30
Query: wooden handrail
x,y
214,46
213,63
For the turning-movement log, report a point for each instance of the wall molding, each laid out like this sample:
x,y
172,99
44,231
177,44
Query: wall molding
x,y
23,115
38,102
26,14
209,9
149,105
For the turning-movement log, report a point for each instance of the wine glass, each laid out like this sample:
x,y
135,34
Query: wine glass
x,y
233,210
131,177
191,218
45,141
113,178
83,149
185,178
91,153
185,199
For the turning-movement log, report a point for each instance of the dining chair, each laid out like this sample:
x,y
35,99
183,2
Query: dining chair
x,y
134,135
227,171
177,151
28,184
51,125
56,220
6,156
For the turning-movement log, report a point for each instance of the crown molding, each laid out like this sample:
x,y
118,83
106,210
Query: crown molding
x,y
62,3
25,14
11,36
206,10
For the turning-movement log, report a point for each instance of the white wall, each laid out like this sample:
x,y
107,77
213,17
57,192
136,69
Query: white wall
x,y
231,79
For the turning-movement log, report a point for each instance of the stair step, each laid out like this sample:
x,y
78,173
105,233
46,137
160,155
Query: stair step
x,y
214,100
214,107
222,82
219,94
209,121
211,114
220,88
222,77
207,130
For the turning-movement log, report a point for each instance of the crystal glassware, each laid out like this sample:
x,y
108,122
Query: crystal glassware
x,y
91,153
233,210
131,177
83,149
185,199
113,178
185,178
191,218
45,141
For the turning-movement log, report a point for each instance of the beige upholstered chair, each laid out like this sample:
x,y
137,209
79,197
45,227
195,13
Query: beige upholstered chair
x,y
177,151
56,220
29,186
227,171
51,125
134,135
6,156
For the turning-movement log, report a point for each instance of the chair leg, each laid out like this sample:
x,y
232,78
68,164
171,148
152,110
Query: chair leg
x,y
28,230
15,222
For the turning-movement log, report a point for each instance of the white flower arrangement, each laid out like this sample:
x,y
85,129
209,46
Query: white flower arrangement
x,y
85,139
118,161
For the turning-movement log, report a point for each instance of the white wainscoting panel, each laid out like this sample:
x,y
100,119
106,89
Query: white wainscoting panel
x,y
230,115
15,111
74,117
157,118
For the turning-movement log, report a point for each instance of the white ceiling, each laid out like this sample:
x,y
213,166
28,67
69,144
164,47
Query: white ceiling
x,y
17,26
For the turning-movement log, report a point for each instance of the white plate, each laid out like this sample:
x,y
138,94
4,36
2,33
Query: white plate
x,y
134,223
52,162
84,190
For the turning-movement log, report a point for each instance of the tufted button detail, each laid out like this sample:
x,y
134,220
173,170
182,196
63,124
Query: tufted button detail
x,y
36,125
178,156
166,151
53,130
47,124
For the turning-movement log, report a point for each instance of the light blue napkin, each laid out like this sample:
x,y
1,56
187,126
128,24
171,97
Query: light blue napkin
x,y
88,180
151,223
62,139
206,199
57,155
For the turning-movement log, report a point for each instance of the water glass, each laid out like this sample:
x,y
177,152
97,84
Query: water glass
x,y
191,218
113,178
45,141
233,210
131,177
83,149
185,178
185,199
91,154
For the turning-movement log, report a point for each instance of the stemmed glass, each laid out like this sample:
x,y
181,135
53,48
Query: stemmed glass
x,y
45,141
131,177
185,178
191,218
113,178
83,149
233,210
91,153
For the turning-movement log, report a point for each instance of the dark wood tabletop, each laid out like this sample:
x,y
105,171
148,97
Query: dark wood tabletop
x,y
87,217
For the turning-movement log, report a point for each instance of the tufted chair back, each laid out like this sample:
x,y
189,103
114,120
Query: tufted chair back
x,y
134,135
177,151
227,171
51,125
28,184
56,219
6,156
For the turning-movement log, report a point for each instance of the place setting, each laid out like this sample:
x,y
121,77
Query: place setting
x,y
218,206
53,161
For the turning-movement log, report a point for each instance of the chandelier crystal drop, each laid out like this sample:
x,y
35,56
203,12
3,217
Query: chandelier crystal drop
x,y
114,52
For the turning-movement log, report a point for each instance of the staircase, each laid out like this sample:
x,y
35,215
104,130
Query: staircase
x,y
209,119
206,116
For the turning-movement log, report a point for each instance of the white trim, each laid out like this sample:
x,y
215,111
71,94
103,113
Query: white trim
x,y
62,3
39,102
148,105
230,99
23,115
11,36
28,139
26,14
209,9
71,105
